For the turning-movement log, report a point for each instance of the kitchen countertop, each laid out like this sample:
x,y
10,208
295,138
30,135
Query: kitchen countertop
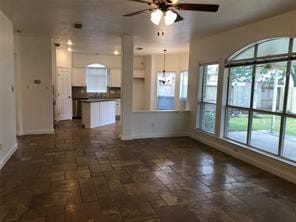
x,y
96,100
80,98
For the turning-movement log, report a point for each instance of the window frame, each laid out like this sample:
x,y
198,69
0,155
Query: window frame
x,y
175,91
201,102
180,98
89,67
288,57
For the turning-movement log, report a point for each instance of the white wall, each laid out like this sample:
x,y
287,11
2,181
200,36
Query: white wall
x,y
138,94
80,60
8,142
218,48
148,71
150,124
174,62
114,62
35,101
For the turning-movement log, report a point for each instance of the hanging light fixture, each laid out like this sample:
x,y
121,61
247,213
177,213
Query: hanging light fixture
x,y
170,17
156,16
164,79
164,55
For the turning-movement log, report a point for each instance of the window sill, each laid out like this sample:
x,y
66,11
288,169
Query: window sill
x,y
236,145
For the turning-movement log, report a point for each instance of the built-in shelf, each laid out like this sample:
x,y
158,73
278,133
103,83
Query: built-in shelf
x,y
137,77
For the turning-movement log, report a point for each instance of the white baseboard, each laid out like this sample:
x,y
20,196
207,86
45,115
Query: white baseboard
x,y
19,133
158,135
36,132
7,156
269,164
123,137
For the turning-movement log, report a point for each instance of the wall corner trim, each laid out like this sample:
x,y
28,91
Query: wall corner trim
x,y
7,156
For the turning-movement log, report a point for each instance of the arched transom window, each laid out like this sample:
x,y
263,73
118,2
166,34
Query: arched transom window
x,y
261,97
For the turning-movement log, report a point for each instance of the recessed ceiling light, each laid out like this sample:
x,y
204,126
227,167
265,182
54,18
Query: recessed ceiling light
x,y
69,42
116,52
70,49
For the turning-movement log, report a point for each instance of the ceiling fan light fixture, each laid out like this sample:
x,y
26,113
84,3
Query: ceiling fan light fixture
x,y
170,17
156,16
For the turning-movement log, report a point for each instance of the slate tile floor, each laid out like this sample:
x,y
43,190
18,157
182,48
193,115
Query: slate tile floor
x,y
90,175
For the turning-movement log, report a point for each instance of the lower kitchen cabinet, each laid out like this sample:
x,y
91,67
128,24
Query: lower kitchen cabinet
x,y
98,113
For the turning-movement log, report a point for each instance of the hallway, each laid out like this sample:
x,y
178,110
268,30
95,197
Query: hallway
x,y
90,175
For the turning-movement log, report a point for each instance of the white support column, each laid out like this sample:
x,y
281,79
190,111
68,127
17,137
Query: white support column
x,y
127,63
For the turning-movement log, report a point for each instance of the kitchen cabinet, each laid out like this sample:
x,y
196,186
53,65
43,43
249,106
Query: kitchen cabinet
x,y
139,73
114,78
97,113
79,77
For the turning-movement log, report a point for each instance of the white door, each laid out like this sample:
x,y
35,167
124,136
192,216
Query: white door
x,y
64,94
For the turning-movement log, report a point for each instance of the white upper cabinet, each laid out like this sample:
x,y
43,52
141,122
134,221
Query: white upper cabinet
x,y
114,79
79,77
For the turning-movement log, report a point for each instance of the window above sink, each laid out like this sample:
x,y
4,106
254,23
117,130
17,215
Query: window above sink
x,y
96,78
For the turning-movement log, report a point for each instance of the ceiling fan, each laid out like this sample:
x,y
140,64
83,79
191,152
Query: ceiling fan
x,y
168,9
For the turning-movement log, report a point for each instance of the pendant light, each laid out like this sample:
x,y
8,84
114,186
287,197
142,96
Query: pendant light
x,y
164,80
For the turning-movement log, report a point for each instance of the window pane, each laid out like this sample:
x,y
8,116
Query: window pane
x,y
183,85
96,80
290,139
237,124
291,104
208,117
210,83
166,90
273,47
265,132
240,86
270,86
246,54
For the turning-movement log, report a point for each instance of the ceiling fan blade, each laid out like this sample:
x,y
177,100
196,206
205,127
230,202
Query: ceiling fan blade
x,y
197,7
141,1
136,13
179,17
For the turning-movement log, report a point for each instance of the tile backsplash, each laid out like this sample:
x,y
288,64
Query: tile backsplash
x,y
80,92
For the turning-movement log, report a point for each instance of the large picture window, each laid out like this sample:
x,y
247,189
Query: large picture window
x,y
261,104
207,118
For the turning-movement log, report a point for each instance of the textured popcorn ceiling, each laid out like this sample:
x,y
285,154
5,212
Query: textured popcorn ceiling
x,y
103,24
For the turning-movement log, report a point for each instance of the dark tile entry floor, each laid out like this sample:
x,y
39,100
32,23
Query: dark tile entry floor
x,y
90,175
